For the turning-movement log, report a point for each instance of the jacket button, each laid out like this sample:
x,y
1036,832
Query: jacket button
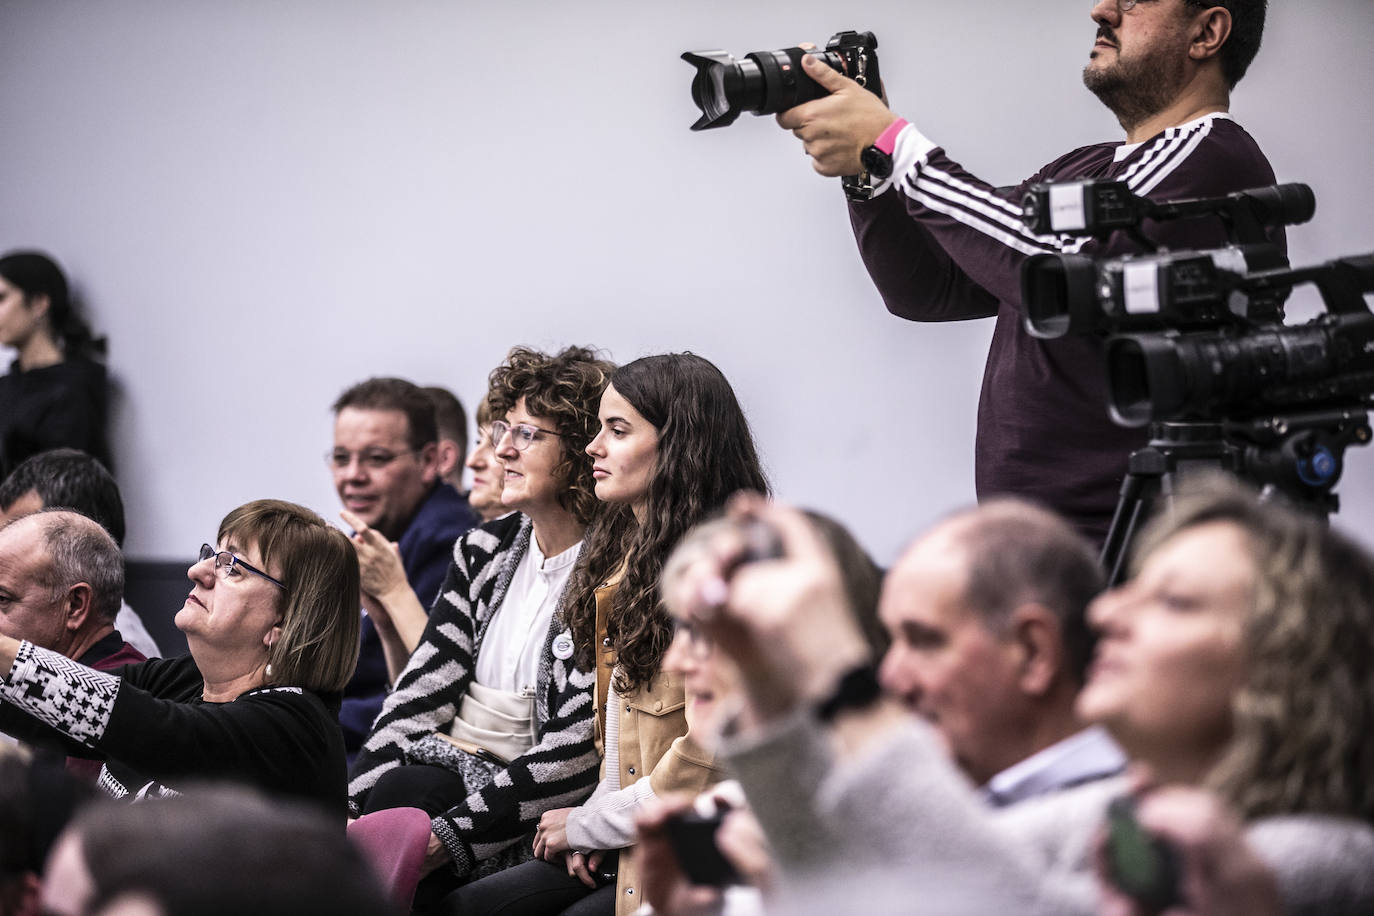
x,y
606,641
632,771
629,890
658,706
627,709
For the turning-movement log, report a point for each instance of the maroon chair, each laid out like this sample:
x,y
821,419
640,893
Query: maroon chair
x,y
394,841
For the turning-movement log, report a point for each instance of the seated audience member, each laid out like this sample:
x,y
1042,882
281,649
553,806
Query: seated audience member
x,y
37,798
1235,661
488,477
216,852
990,644
393,608
61,581
674,445
490,724
386,471
272,625
66,478
55,393
451,421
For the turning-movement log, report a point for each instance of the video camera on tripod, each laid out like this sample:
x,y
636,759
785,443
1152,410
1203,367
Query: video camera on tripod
x,y
1196,344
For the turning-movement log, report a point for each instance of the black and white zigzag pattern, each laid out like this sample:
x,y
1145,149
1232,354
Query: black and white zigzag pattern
x,y
57,691
560,769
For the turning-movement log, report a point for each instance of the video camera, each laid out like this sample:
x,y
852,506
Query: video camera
x,y
1074,294
1196,345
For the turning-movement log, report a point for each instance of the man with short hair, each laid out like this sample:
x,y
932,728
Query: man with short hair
x,y
67,478
386,472
990,644
452,422
941,244
61,585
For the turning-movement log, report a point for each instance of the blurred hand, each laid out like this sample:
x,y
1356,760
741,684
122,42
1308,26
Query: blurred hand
x,y
662,881
379,560
435,854
1220,875
741,840
785,622
835,129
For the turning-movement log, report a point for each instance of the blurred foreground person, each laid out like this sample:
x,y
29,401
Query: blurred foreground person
x,y
216,852
1236,661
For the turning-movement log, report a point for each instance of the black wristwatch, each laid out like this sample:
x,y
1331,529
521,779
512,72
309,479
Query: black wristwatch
x,y
858,689
876,163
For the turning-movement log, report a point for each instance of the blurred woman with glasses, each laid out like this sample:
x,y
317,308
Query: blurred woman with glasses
x,y
272,625
673,445
490,722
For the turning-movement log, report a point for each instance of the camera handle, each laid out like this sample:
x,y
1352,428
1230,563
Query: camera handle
x,y
1300,455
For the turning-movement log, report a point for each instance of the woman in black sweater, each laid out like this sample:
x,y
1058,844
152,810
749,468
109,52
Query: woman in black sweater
x,y
55,393
272,623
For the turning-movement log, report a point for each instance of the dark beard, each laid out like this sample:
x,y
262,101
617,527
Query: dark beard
x,y
1139,88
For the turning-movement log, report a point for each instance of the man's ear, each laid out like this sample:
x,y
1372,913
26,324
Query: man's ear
x,y
449,456
76,606
429,457
1036,632
1213,28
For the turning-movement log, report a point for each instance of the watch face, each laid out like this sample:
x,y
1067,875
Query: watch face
x,y
877,162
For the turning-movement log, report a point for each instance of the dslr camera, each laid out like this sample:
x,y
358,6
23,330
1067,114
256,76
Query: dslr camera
x,y
767,82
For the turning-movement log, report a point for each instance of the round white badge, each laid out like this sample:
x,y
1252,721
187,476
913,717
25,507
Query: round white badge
x,y
563,646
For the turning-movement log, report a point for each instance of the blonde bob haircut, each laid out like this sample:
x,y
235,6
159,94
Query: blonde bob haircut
x,y
1302,721
318,648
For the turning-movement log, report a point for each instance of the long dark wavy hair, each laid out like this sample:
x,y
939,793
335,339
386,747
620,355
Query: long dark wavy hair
x,y
565,389
36,274
705,454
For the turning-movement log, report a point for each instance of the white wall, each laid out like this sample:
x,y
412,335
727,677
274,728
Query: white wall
x,y
264,202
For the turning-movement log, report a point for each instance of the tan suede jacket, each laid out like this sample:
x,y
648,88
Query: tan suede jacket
x,y
653,741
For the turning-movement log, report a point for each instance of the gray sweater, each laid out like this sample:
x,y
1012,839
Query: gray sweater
x,y
899,830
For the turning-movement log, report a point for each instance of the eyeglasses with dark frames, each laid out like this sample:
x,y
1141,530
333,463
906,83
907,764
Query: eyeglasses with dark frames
x,y
228,565
374,459
522,435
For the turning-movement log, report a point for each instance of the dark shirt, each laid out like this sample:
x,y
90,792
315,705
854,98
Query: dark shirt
x,y
426,551
157,736
944,245
58,406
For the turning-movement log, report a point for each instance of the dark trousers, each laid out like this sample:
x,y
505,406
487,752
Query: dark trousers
x,y
536,888
433,789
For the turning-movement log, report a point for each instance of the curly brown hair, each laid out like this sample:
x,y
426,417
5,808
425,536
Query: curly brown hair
x,y
705,454
1302,736
564,388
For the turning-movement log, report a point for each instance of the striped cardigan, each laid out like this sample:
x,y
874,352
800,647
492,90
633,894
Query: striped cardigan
x,y
504,802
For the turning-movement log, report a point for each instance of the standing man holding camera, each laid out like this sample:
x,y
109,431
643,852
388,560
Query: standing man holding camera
x,y
943,245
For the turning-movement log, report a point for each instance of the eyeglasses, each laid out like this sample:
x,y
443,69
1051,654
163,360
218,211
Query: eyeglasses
x,y
228,565
522,435
698,641
374,459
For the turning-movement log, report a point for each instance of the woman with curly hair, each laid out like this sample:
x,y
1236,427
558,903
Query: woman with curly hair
x,y
674,445
490,722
